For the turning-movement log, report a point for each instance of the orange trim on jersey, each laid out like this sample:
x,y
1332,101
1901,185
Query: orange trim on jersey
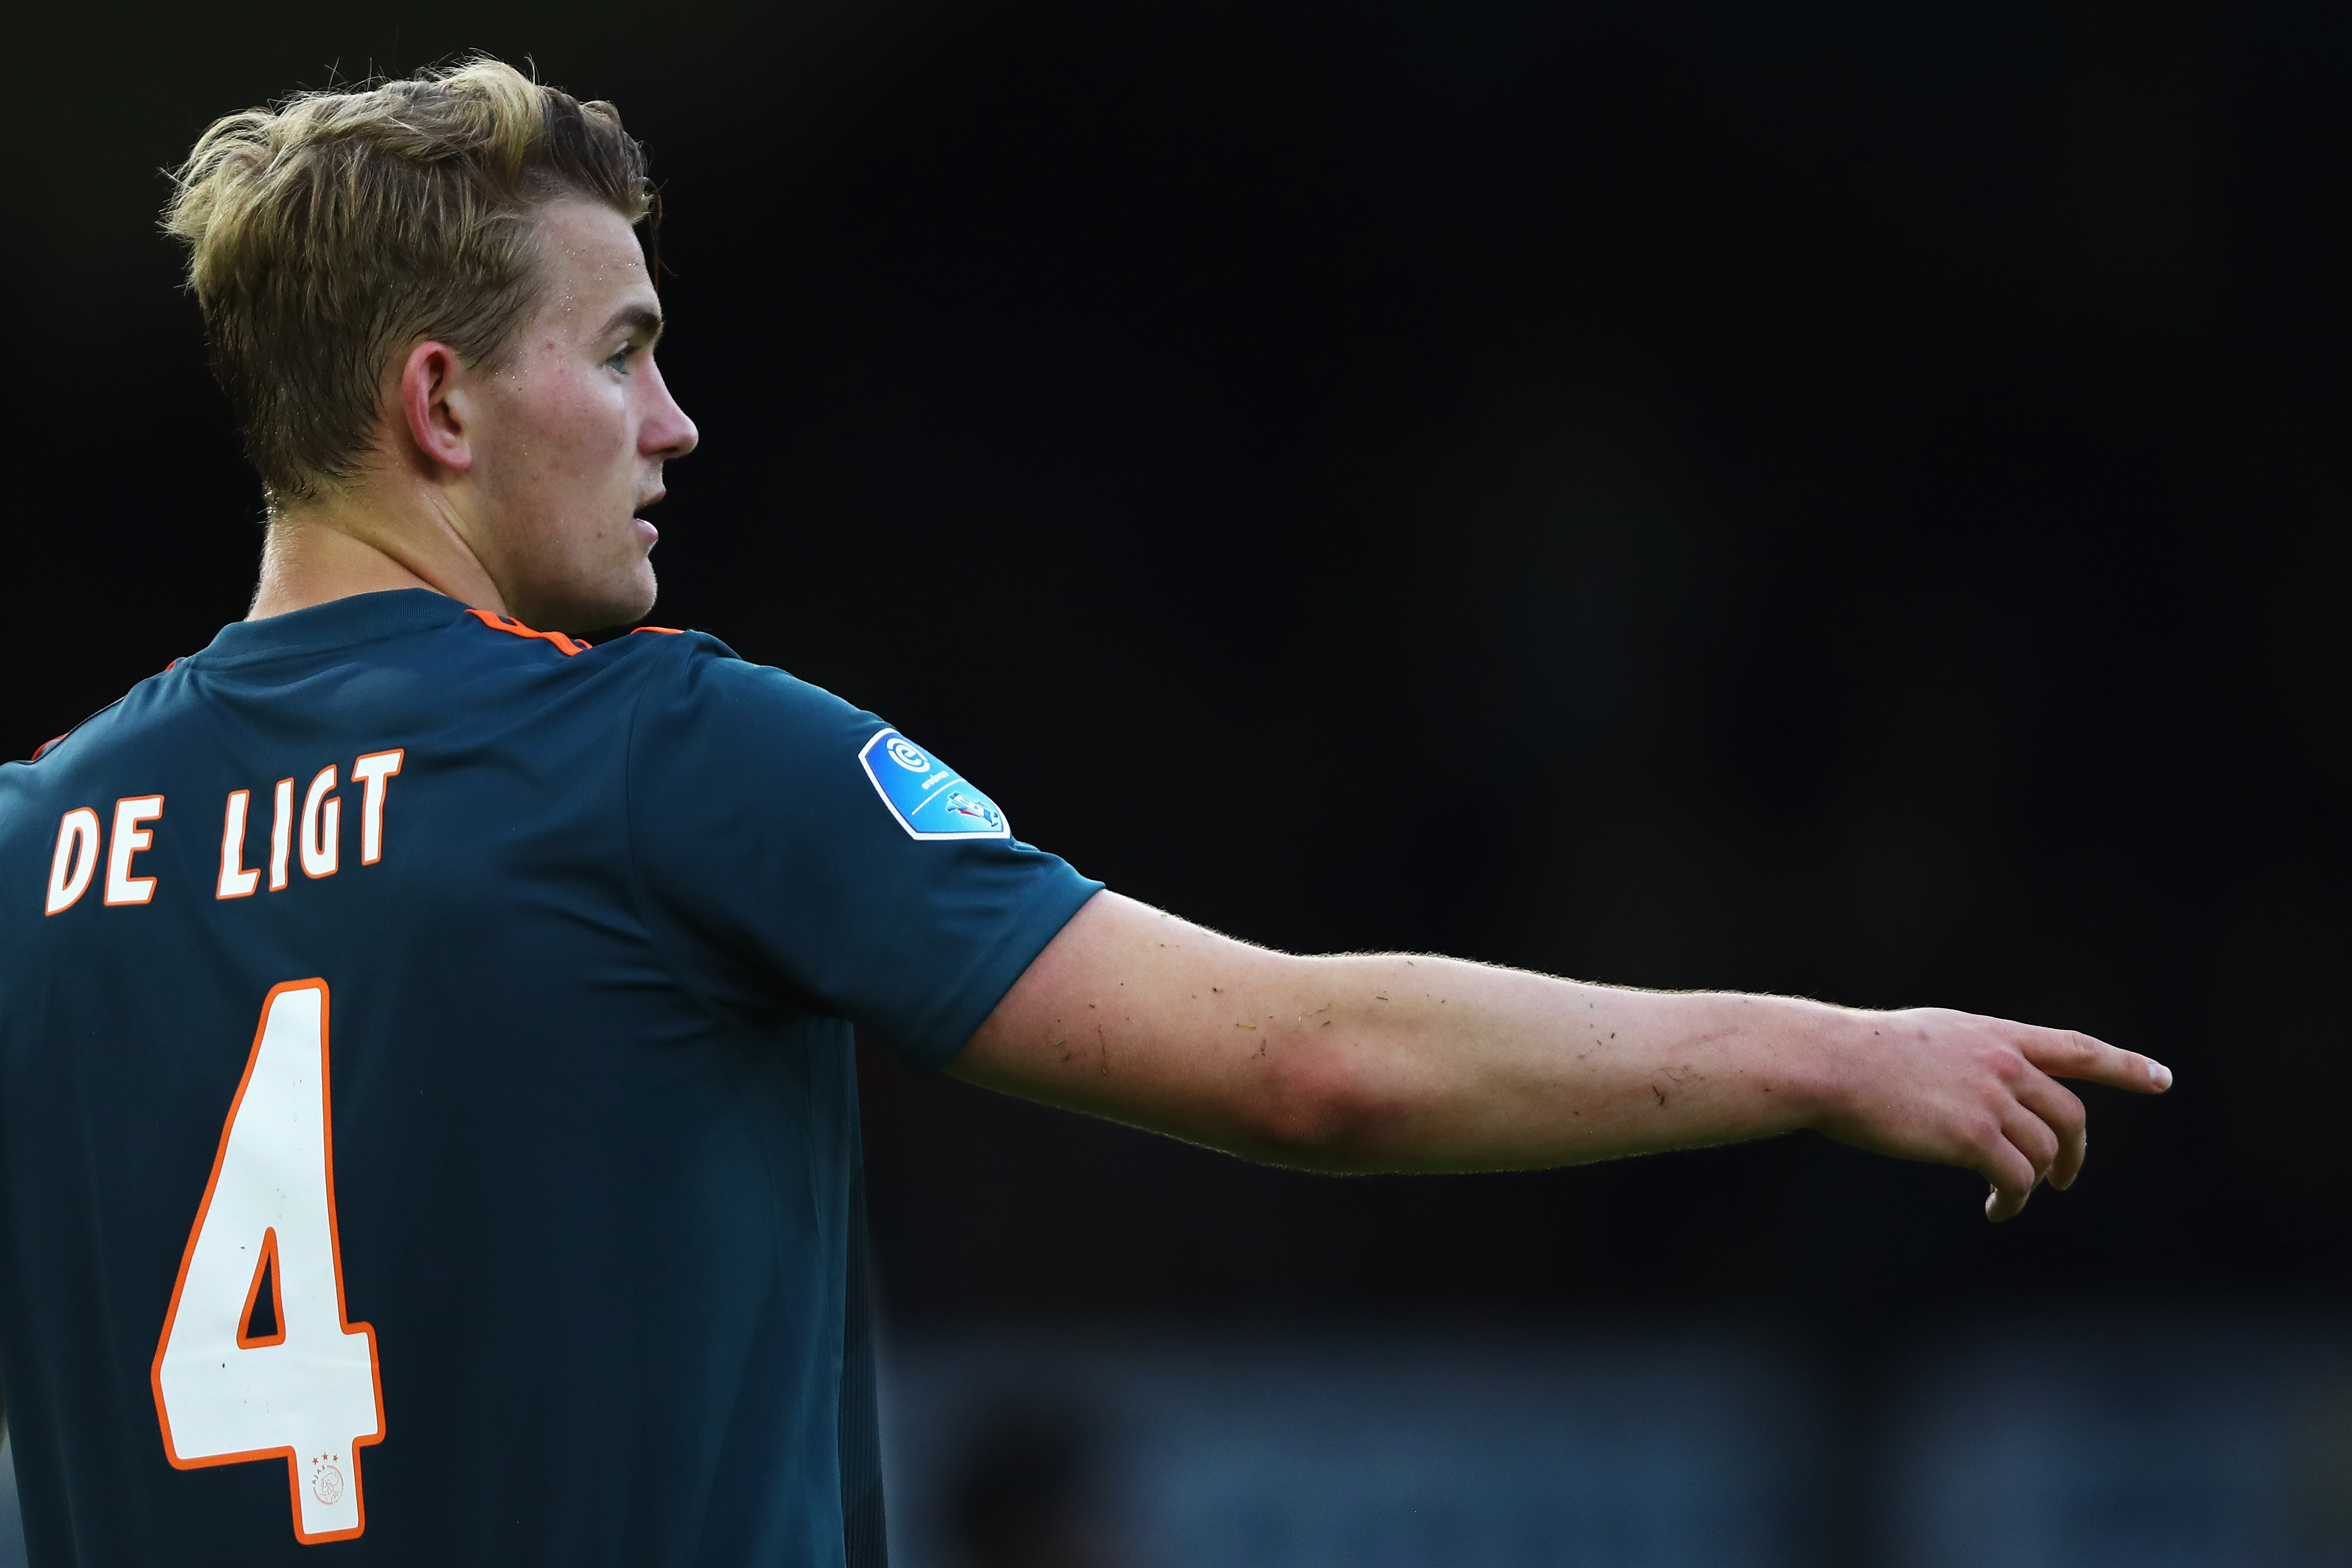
x,y
43,749
513,628
335,1256
268,1264
667,631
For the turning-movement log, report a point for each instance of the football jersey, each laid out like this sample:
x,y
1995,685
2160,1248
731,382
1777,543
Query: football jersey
x,y
428,1121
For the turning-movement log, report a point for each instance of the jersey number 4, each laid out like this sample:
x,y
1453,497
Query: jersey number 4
x,y
256,1360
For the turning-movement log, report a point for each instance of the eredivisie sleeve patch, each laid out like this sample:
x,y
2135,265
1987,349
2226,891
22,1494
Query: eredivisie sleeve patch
x,y
930,799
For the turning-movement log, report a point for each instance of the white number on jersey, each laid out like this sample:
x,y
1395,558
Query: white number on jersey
x,y
307,1391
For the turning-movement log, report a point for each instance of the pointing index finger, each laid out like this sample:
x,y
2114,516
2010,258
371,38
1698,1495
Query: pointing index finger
x,y
2063,1053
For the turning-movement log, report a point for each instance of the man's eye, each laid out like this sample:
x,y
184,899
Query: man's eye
x,y
620,360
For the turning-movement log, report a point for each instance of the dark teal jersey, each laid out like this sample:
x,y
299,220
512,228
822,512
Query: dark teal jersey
x,y
428,1124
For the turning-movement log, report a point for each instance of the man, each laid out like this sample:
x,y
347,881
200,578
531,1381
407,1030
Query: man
x,y
426,1068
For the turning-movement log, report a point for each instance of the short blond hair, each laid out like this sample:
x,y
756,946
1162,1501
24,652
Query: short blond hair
x,y
332,231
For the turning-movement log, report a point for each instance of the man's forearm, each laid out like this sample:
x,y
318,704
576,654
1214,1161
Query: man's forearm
x,y
1433,1064
1410,1063
1393,1062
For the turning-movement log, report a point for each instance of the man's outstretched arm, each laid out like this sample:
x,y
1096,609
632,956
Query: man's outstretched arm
x,y
1413,1063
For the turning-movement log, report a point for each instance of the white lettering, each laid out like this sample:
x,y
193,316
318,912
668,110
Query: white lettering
x,y
322,825
236,881
373,770
281,834
77,858
128,839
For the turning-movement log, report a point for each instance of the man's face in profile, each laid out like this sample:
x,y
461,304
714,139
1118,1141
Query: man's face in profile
x,y
569,432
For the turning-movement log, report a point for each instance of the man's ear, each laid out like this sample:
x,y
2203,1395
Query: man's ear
x,y
436,423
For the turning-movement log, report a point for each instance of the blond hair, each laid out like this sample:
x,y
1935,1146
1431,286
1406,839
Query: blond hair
x,y
336,229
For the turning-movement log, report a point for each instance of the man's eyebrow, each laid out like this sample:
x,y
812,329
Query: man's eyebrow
x,y
642,319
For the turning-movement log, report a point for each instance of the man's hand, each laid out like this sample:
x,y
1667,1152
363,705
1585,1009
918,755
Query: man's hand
x,y
1960,1089
1391,1062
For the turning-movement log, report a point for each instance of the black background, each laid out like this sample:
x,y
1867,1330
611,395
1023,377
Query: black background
x,y
1838,498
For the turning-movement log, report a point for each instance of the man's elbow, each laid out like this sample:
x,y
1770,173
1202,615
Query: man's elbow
x,y
1317,1109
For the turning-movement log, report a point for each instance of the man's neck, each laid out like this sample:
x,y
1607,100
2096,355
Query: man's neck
x,y
334,549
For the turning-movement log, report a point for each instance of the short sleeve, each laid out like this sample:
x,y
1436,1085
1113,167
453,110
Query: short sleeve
x,y
805,854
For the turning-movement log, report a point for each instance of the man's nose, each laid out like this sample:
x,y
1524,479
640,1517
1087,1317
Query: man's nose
x,y
669,433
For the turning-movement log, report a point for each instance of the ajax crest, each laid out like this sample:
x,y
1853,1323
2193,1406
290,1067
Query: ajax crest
x,y
930,799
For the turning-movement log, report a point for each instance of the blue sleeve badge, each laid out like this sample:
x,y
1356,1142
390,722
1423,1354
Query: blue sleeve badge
x,y
930,799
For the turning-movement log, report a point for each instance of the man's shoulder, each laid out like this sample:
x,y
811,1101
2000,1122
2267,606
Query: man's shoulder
x,y
696,678
71,749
